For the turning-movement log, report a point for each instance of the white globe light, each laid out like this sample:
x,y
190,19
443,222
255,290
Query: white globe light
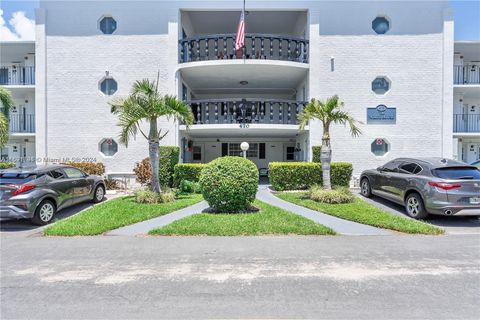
x,y
244,146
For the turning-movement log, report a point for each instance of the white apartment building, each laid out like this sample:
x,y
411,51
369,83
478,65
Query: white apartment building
x,y
391,62
17,74
466,101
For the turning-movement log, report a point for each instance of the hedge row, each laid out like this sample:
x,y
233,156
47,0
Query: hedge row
x,y
316,153
6,165
303,175
95,168
187,171
168,159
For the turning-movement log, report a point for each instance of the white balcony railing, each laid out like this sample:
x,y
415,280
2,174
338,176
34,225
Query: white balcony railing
x,y
466,74
466,123
15,75
24,123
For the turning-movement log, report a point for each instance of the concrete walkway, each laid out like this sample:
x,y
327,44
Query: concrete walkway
x,y
341,226
145,226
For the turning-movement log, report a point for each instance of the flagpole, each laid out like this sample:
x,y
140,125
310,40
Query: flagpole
x,y
244,32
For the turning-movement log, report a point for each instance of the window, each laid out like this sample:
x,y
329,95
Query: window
x,y
4,154
391,166
56,174
380,25
108,147
108,86
197,153
410,168
454,173
73,173
108,25
380,147
290,154
252,151
380,85
234,149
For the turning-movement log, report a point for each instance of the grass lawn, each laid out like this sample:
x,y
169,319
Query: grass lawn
x,y
363,212
116,213
268,221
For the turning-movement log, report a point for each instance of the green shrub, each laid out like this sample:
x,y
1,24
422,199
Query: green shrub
x,y
168,159
6,165
187,171
190,187
341,174
148,196
229,184
303,175
95,168
335,196
316,153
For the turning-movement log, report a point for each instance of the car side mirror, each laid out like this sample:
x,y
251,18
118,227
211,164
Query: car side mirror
x,y
380,169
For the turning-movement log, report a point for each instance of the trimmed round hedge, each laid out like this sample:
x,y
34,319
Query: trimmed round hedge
x,y
229,184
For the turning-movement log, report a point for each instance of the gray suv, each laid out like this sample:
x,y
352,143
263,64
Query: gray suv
x,y
426,185
38,193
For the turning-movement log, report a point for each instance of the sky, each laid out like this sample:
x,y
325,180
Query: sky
x,y
17,19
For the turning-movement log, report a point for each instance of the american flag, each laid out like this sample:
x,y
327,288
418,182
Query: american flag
x,y
240,39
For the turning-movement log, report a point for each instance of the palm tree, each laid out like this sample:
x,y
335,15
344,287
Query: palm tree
x,y
146,104
6,103
327,112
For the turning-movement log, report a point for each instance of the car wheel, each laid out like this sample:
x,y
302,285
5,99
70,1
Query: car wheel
x,y
99,194
365,188
415,207
44,213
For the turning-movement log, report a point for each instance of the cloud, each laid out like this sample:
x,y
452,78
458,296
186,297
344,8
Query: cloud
x,y
21,27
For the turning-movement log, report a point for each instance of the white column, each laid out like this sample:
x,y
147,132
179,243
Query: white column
x,y
41,145
447,105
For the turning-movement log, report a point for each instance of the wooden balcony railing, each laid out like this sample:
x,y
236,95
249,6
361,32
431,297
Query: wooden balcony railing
x,y
466,123
257,46
245,111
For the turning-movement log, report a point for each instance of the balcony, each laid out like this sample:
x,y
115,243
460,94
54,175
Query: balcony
x,y
22,123
467,74
246,111
466,123
257,46
15,76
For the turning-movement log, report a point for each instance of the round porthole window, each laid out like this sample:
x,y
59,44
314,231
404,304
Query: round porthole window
x,y
108,86
108,147
380,85
380,25
380,147
108,25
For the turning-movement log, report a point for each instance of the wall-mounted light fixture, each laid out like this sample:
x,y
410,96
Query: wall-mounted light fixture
x,y
332,63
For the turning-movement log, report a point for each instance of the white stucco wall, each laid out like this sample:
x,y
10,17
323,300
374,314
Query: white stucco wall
x,y
411,55
414,54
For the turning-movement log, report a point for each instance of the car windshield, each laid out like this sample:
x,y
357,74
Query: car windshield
x,y
16,178
453,173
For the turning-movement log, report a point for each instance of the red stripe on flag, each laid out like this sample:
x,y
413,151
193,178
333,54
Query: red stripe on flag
x,y
240,38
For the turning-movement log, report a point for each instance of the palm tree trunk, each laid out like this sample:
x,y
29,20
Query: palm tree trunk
x,y
326,159
153,149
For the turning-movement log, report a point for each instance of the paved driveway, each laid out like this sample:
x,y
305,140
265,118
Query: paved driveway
x,y
452,225
337,277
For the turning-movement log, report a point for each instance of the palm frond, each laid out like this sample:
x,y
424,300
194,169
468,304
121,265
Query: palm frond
x,y
3,130
329,112
145,104
6,101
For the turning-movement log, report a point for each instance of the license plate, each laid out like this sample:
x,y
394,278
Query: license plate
x,y
475,200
